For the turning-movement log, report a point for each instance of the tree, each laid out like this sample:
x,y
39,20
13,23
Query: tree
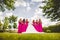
x,y
9,26
15,25
52,9
12,20
7,4
6,23
52,28
0,25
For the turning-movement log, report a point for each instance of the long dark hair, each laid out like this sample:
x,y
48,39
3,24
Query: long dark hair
x,y
23,20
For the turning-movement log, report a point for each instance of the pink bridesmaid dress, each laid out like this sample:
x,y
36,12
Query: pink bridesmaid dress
x,y
19,28
24,26
38,27
35,25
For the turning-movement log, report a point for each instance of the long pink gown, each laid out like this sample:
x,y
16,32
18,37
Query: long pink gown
x,y
38,27
24,26
19,27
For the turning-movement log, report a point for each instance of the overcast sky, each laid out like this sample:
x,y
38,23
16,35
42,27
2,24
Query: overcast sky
x,y
27,9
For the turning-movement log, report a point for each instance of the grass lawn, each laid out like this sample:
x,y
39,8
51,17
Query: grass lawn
x,y
30,36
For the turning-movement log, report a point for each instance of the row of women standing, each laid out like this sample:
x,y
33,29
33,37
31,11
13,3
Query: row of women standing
x,y
23,24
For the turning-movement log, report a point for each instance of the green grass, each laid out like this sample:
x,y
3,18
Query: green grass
x,y
30,36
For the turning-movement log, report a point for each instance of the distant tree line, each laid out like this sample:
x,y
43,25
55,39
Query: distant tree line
x,y
8,23
52,29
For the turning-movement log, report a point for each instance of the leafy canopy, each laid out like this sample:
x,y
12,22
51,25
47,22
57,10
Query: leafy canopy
x,y
52,9
7,4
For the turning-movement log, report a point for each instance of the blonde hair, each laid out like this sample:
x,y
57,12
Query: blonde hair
x,y
20,20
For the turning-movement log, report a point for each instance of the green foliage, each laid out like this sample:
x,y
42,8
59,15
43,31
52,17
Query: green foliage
x,y
9,26
55,28
45,29
12,19
6,23
52,9
0,25
7,4
15,25
52,28
48,31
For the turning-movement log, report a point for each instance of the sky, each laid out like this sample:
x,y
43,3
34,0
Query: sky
x,y
28,9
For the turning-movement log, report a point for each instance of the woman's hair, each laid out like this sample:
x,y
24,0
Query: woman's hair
x,y
40,21
33,21
23,20
36,20
26,20
20,20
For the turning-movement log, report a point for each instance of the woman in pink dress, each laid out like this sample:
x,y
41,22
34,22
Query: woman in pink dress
x,y
26,24
20,26
40,25
23,25
33,23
